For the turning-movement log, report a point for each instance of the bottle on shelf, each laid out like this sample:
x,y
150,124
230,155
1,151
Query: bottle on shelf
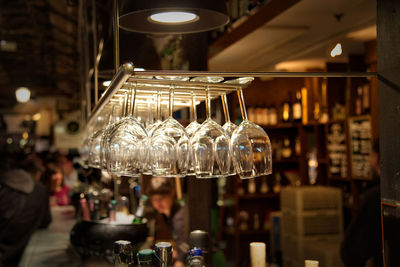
x,y
123,254
311,263
273,116
256,221
259,115
359,100
200,239
366,103
313,166
251,113
124,205
297,146
265,116
277,185
140,210
287,148
297,108
112,209
251,186
264,186
286,110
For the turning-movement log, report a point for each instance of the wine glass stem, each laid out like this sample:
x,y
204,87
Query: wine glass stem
x,y
124,105
225,107
241,103
208,103
133,100
159,105
171,100
193,112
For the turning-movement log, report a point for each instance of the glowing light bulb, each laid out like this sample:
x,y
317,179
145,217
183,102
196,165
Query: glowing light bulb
x,y
173,17
23,94
337,50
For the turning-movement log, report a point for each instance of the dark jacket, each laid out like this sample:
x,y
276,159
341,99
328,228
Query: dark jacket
x,y
24,207
362,239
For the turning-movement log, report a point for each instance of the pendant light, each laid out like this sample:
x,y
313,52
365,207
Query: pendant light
x,y
172,16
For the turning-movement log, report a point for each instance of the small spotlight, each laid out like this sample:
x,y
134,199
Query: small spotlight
x,y
337,50
106,83
23,94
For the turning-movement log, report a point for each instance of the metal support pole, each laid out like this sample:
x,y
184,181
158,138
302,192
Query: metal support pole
x,y
116,36
95,56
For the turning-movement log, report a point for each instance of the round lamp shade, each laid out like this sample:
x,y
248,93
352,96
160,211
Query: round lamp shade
x,y
172,16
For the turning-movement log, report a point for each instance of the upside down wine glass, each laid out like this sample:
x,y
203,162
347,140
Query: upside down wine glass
x,y
169,153
124,142
210,147
251,147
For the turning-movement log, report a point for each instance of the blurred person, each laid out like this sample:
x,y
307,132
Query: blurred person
x,y
23,209
53,179
363,237
70,173
170,223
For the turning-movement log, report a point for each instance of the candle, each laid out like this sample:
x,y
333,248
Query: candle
x,y
257,254
311,263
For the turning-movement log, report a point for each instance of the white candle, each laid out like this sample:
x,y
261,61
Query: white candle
x,y
257,254
311,263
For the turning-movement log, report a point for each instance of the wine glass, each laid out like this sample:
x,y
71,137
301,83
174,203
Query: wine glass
x,y
191,129
210,147
251,147
124,143
229,126
95,148
169,155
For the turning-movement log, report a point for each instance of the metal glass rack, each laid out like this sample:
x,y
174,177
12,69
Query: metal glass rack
x,y
148,83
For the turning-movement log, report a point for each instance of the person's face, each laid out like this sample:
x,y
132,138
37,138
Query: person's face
x,y
162,203
56,179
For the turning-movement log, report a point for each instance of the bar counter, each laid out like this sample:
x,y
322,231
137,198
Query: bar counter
x,y
51,247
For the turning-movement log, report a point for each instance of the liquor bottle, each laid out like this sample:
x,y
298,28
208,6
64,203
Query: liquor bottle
x,y
85,209
251,186
200,239
123,254
145,258
265,116
139,212
96,210
286,149
264,186
163,252
297,114
366,104
277,185
286,110
359,98
124,205
312,166
256,221
112,209
273,116
251,113
259,115
195,258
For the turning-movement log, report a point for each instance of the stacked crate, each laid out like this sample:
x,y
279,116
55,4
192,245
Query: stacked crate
x,y
311,215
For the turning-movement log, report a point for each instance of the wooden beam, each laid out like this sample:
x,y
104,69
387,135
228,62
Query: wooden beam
x,y
266,13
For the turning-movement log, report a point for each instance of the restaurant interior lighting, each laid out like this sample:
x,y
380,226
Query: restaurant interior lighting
x,y
36,116
337,50
23,94
172,17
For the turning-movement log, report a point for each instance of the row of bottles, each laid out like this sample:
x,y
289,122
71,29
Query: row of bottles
x,y
363,100
270,115
162,255
100,207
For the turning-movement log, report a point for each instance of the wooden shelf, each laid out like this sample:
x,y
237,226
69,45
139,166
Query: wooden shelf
x,y
258,196
230,231
338,178
288,160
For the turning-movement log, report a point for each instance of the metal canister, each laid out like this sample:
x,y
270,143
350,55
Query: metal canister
x,y
163,252
123,254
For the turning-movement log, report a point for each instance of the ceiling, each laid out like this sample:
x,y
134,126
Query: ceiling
x,y
302,37
40,45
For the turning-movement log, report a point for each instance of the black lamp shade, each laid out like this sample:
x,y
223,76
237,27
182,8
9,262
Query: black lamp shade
x,y
135,13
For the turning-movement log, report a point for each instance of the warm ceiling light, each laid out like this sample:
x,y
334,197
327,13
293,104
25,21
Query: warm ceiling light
x,y
173,17
23,94
106,83
36,117
337,50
